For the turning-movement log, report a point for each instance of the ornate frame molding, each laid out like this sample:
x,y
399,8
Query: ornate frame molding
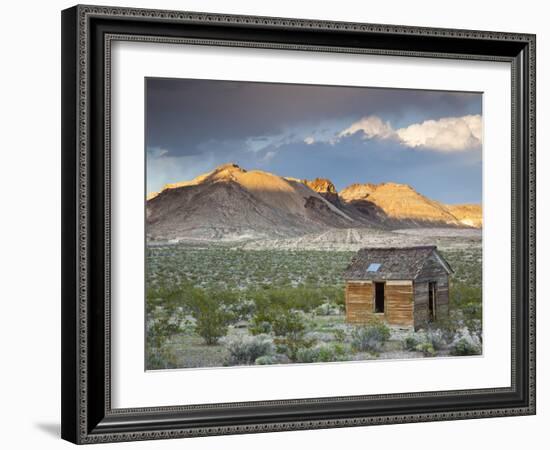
x,y
86,422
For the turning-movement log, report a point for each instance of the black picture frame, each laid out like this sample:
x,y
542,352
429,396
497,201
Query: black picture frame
x,y
87,416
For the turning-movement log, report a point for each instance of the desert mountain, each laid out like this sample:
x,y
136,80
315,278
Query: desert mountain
x,y
231,203
398,205
469,214
325,189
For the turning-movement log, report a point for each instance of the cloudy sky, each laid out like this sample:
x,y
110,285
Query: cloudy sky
x,y
428,139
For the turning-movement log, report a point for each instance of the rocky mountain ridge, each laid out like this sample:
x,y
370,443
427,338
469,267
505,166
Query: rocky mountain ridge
x,y
232,204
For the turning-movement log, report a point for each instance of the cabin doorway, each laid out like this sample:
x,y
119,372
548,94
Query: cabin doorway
x,y
379,297
432,300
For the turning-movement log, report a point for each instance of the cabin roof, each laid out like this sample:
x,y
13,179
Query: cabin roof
x,y
392,263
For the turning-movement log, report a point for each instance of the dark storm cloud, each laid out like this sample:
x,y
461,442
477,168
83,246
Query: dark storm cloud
x,y
292,130
184,114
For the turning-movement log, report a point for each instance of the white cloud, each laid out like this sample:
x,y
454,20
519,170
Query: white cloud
x,y
309,140
371,126
446,134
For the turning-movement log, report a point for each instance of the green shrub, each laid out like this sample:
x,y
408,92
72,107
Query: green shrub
x,y
327,309
259,326
466,345
161,358
322,353
245,349
265,360
426,341
164,319
449,326
411,341
475,328
435,338
241,309
265,316
211,315
320,336
371,337
304,298
306,355
340,334
287,325
271,359
290,330
466,299
472,309
426,348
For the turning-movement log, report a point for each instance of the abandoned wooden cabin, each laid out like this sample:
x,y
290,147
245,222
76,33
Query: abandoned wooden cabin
x,y
406,287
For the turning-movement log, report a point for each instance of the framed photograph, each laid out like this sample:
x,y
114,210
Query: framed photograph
x,y
279,224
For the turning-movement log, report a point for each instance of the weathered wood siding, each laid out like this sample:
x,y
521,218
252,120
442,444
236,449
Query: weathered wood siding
x,y
398,303
432,271
443,296
420,303
359,301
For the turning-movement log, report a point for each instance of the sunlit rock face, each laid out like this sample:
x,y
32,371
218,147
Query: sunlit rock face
x,y
394,203
325,188
231,203
469,214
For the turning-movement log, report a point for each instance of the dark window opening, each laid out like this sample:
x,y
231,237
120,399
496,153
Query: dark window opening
x,y
432,299
378,297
